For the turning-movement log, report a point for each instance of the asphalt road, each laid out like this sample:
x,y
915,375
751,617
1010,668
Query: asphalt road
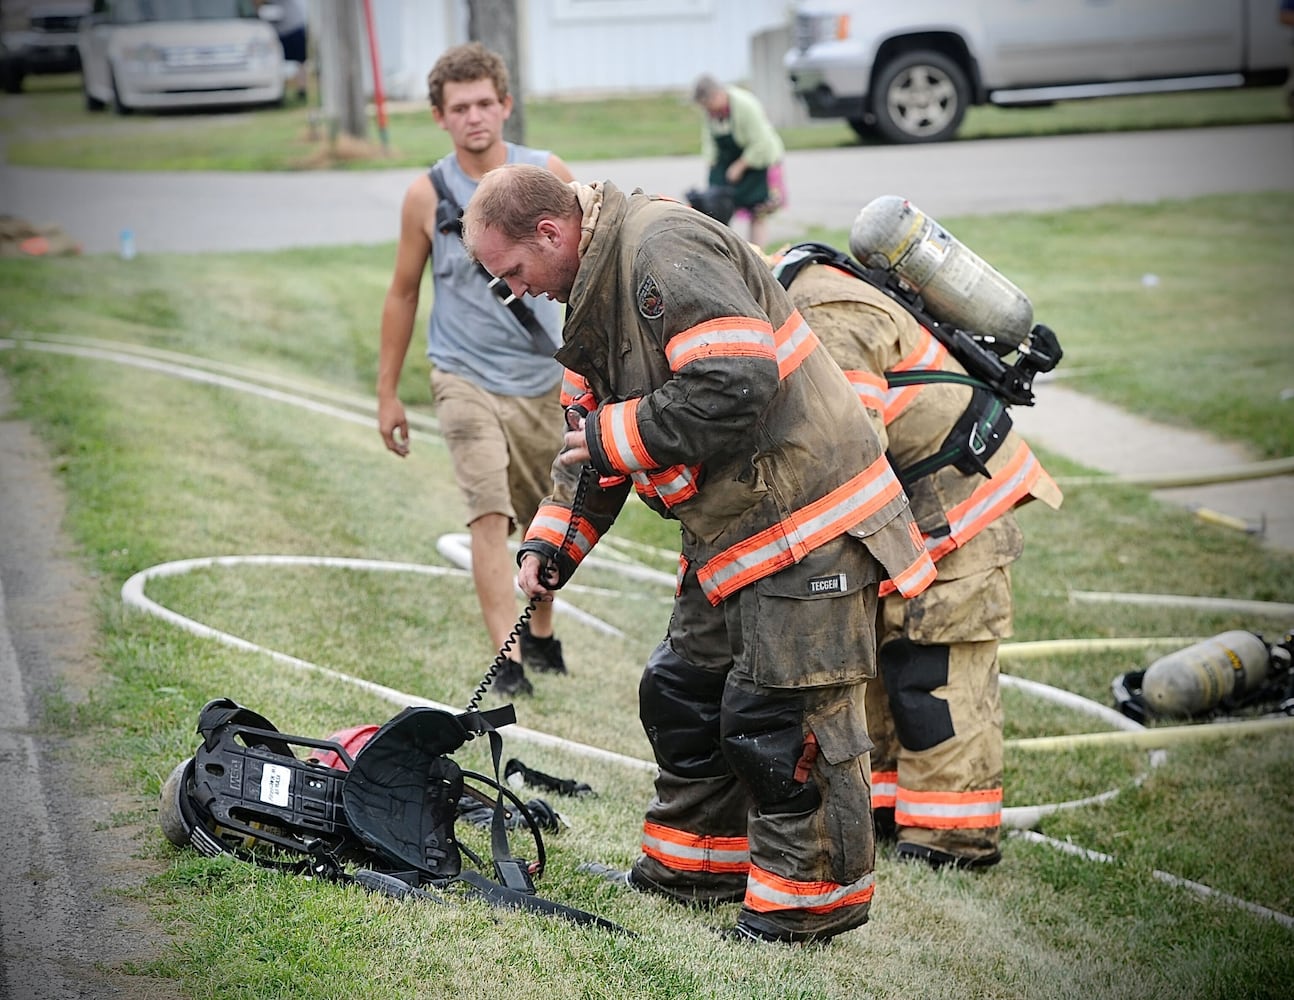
x,y
195,212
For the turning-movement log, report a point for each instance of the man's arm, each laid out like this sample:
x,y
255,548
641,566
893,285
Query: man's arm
x,y
557,166
399,309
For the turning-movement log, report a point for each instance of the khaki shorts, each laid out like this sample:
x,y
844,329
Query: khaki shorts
x,y
502,447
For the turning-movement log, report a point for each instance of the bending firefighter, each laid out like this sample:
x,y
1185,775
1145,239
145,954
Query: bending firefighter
x,y
692,379
934,711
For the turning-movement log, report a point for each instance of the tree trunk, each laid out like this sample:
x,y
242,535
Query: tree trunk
x,y
493,23
341,67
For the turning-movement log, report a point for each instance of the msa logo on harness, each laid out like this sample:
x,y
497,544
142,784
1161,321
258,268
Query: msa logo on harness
x,y
995,385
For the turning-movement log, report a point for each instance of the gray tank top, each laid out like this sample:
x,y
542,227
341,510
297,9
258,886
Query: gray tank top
x,y
471,333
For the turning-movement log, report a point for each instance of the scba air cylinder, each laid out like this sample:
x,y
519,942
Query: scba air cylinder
x,y
958,286
1198,678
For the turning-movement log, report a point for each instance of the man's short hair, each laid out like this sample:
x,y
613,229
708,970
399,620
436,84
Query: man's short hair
x,y
465,64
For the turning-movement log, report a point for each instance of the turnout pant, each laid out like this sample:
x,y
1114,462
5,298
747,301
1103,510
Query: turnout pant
x,y
935,715
755,712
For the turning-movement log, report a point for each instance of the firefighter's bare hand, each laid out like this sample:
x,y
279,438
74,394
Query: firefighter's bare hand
x,y
393,426
575,448
536,578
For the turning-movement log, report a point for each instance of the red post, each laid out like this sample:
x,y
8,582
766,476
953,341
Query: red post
x,y
379,97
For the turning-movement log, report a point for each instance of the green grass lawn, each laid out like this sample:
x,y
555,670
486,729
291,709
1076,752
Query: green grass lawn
x,y
159,468
49,127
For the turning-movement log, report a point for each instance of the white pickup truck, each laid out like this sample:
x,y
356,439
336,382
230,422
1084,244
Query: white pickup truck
x,y
907,72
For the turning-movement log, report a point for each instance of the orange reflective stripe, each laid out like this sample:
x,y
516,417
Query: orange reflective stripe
x,y
921,572
992,498
766,892
872,390
793,537
949,810
575,389
885,786
794,342
928,355
549,525
671,485
729,337
621,441
690,852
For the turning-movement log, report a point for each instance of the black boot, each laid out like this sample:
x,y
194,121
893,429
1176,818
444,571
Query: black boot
x,y
511,679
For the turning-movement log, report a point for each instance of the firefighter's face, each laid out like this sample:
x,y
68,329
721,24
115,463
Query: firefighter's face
x,y
545,264
473,114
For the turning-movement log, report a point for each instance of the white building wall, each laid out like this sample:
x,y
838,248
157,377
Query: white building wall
x,y
575,48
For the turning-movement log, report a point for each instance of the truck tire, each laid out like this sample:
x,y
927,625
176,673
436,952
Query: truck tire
x,y
864,129
920,96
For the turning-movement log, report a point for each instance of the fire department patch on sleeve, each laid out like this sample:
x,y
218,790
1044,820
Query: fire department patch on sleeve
x,y
650,301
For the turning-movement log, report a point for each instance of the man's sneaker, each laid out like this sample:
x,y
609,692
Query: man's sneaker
x,y
511,679
942,859
543,655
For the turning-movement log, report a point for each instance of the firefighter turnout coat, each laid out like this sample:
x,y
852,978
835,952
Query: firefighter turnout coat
x,y
708,392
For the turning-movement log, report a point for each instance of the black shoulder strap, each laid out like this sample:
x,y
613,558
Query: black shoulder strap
x,y
449,219
803,254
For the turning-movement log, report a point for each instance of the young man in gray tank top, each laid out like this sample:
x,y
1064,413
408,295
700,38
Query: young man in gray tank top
x,y
495,383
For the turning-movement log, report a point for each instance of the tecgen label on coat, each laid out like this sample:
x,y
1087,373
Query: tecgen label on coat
x,y
834,584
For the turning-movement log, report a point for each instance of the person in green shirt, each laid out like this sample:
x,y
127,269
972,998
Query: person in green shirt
x,y
742,150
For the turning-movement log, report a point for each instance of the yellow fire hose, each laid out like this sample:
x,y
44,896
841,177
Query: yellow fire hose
x,y
1149,739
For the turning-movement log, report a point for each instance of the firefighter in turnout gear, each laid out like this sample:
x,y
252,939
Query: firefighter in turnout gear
x,y
693,379
934,711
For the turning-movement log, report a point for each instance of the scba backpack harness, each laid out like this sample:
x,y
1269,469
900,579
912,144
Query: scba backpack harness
x,y
389,810
995,384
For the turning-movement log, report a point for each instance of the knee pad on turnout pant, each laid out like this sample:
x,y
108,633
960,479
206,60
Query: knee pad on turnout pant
x,y
678,705
912,672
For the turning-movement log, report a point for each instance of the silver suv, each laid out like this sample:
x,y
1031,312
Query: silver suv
x,y
907,72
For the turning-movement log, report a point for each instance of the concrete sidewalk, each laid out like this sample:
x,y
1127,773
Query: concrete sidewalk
x,y
1121,444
